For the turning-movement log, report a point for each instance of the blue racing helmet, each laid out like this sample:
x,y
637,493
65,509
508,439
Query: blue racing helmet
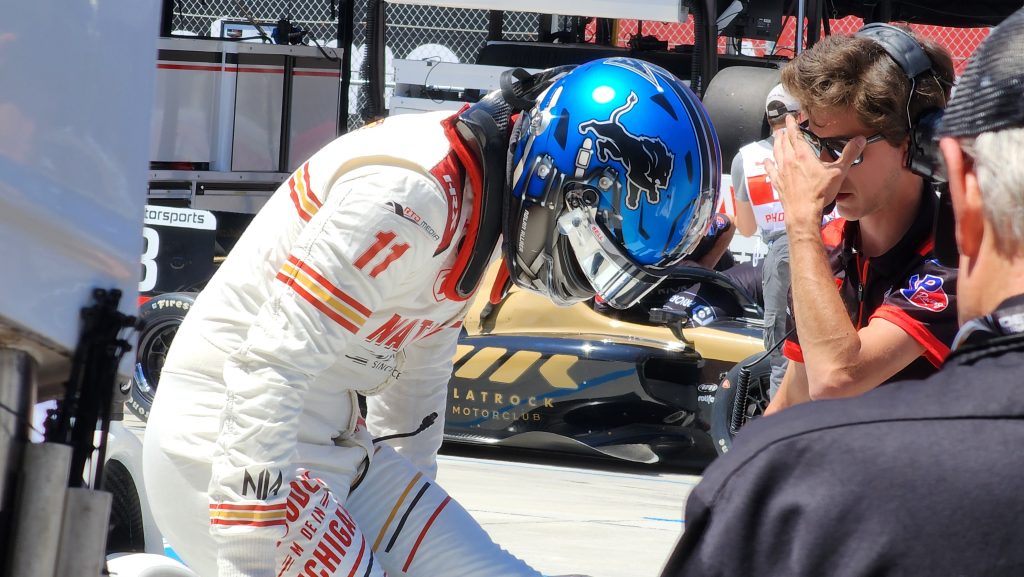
x,y
613,179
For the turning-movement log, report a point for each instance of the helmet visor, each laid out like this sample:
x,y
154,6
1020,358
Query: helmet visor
x,y
614,277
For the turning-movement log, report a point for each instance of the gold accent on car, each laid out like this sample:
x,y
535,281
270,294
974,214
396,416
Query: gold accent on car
x,y
515,366
480,362
556,371
525,313
461,351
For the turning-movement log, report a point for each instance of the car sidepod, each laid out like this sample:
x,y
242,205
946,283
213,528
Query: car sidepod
x,y
531,375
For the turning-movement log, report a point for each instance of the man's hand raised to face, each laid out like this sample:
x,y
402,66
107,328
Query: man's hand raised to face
x,y
806,184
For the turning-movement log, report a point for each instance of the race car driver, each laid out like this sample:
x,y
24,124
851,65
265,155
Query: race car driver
x,y
893,315
354,279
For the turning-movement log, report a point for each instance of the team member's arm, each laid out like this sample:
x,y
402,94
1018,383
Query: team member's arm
x,y
879,364
745,222
319,298
839,360
422,388
793,389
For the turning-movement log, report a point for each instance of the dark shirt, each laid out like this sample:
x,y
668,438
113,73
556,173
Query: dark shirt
x,y
905,286
915,478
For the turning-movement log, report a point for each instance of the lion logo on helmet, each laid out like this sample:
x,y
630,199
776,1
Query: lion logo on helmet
x,y
648,161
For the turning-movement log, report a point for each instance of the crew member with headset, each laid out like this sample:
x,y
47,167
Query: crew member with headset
x,y
894,314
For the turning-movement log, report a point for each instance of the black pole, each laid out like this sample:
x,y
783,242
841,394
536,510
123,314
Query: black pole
x,y
286,115
711,41
345,34
815,15
495,21
544,28
373,61
705,51
884,11
166,18
603,32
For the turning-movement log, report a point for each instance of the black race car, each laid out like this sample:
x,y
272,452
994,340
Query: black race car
x,y
638,385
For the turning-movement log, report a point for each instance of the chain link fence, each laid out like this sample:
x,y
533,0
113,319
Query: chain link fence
x,y
434,33
204,17
457,35
412,32
961,42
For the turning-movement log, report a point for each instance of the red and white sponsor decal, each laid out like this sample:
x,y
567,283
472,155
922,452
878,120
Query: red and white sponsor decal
x,y
395,332
926,293
321,539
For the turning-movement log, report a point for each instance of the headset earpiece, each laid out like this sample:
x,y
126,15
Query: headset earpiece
x,y
912,59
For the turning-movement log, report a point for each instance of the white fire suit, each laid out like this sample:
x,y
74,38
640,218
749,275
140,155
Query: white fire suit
x,y
336,287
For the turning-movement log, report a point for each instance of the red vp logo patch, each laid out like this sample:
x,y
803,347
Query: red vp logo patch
x,y
926,293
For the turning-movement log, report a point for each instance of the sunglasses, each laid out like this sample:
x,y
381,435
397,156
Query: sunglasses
x,y
833,146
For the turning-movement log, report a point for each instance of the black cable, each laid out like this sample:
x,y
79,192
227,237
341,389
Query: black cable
x,y
243,39
424,425
436,95
252,20
739,410
372,69
321,48
696,70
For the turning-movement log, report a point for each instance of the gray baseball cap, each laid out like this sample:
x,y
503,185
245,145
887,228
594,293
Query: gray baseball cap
x,y
990,94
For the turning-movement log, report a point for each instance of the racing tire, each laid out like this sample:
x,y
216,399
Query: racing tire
x,y
735,103
160,316
126,533
724,409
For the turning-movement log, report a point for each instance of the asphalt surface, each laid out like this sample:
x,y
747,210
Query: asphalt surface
x,y
571,516
567,515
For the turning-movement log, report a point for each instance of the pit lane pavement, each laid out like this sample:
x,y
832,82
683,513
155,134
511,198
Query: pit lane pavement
x,y
563,514
567,516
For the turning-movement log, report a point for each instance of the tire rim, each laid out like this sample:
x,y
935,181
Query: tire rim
x,y
153,354
757,399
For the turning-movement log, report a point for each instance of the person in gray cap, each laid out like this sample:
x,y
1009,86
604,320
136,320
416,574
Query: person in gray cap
x,y
917,477
759,209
